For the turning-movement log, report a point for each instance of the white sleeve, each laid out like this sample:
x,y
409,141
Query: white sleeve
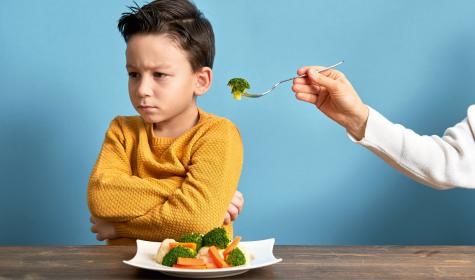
x,y
440,162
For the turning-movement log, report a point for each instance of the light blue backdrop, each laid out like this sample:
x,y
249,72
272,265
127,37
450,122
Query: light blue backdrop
x,y
62,79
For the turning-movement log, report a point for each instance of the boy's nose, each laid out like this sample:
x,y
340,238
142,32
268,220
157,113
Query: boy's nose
x,y
144,88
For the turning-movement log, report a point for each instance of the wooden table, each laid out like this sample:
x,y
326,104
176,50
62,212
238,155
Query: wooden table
x,y
300,262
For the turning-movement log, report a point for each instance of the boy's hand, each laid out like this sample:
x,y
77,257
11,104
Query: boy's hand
x,y
103,229
334,95
234,208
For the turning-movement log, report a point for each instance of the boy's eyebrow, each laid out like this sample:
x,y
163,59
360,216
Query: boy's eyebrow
x,y
128,65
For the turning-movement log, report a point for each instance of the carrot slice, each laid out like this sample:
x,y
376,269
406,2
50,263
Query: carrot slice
x,y
190,266
190,261
218,260
190,245
231,246
210,265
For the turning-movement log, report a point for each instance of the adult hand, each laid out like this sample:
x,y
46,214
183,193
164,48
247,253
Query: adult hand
x,y
332,93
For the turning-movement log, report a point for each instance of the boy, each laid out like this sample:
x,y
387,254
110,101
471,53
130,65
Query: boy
x,y
173,169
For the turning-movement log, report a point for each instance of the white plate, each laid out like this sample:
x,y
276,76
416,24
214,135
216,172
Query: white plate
x,y
261,250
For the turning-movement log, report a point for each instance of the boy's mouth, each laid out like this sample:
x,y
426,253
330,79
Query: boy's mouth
x,y
147,108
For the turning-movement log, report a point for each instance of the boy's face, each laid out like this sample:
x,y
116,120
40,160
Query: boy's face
x,y
162,84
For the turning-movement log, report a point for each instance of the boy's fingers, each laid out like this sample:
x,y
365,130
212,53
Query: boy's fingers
x,y
99,237
94,229
238,203
307,97
239,195
233,212
227,219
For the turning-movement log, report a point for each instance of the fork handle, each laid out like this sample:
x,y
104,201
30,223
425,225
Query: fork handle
x,y
319,71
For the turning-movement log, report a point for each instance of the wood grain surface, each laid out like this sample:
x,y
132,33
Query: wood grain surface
x,y
299,262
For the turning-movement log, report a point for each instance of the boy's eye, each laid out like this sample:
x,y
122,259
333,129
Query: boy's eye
x,y
133,74
159,75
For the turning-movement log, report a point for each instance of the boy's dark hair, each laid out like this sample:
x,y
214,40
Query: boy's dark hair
x,y
179,19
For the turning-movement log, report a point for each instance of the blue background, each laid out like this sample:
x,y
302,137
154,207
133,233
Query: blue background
x,y
62,79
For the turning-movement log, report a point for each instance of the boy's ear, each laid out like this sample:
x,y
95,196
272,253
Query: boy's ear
x,y
204,78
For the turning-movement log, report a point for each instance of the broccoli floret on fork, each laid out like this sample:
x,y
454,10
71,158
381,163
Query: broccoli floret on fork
x,y
238,87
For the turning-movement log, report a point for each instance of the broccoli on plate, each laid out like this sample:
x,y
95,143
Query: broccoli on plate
x,y
217,237
236,257
171,257
193,237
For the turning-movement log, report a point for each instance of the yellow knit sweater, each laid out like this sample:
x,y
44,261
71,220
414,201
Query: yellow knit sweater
x,y
154,188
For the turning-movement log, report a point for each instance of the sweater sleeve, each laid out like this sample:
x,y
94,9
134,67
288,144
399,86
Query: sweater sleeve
x,y
112,185
440,162
200,202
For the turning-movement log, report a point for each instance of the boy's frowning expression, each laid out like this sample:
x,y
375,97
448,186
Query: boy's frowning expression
x,y
162,84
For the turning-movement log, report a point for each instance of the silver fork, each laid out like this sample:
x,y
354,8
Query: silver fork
x,y
256,95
